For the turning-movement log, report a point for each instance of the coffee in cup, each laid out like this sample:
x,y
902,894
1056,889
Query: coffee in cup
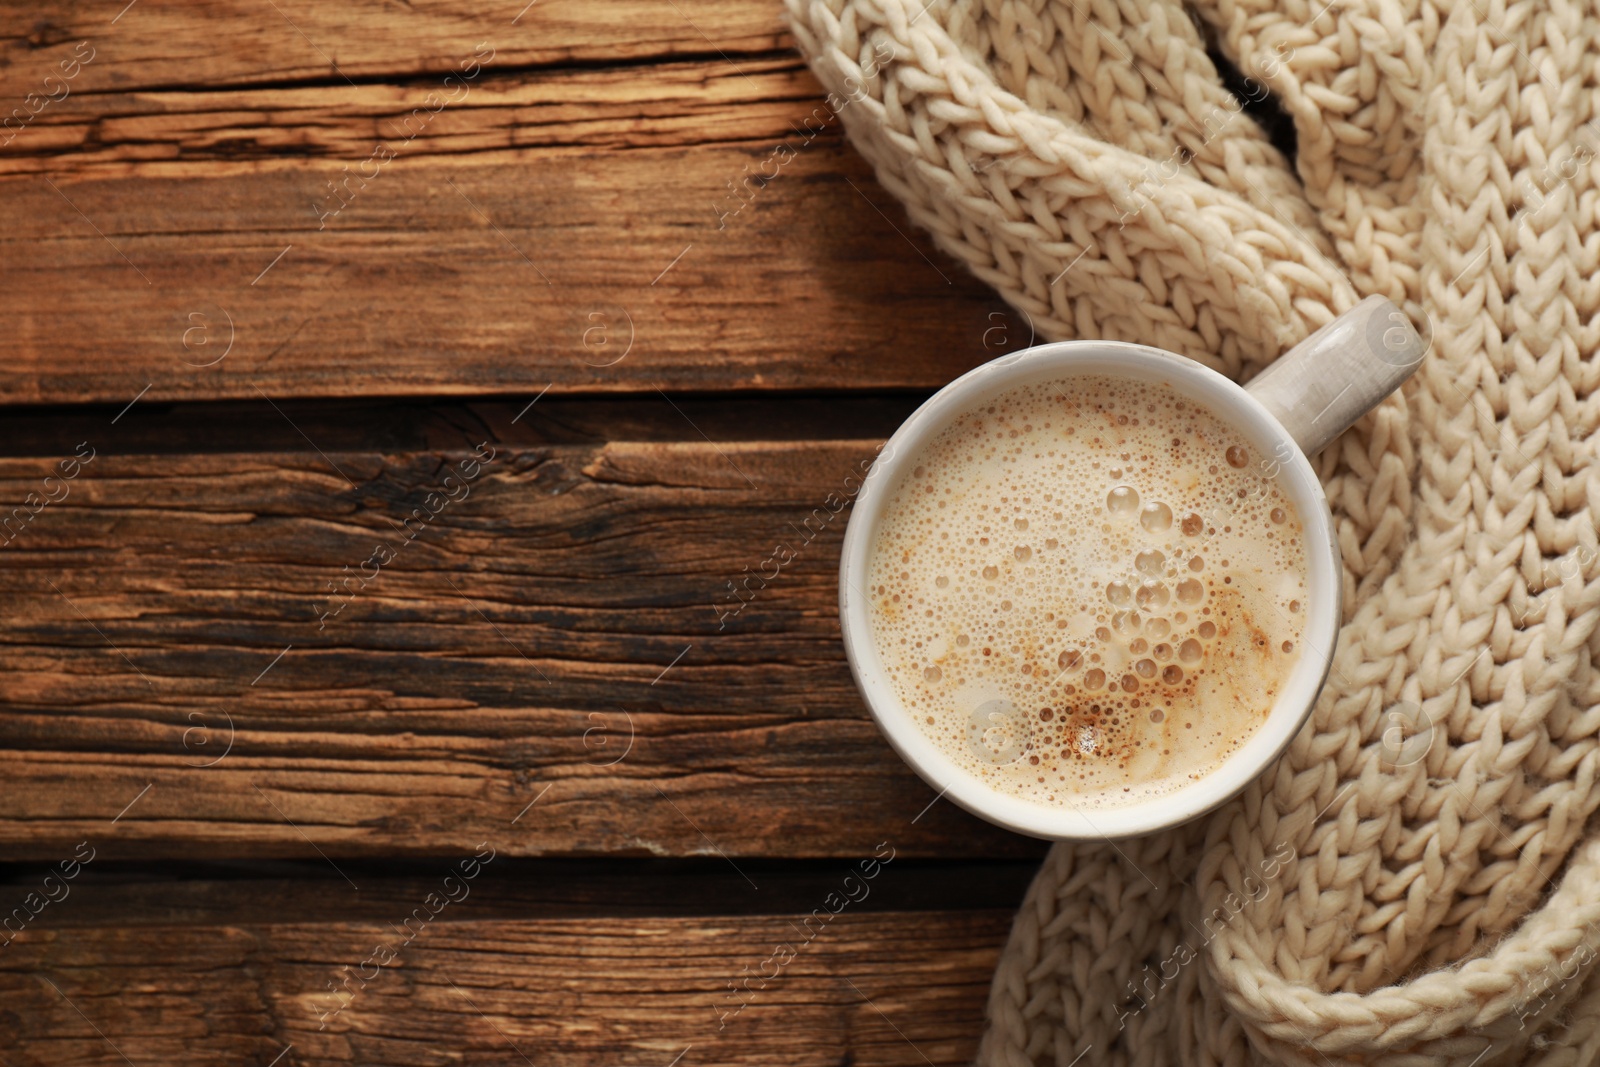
x,y
1088,591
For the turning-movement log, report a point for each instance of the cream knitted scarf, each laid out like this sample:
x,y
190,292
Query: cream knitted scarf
x,y
1412,883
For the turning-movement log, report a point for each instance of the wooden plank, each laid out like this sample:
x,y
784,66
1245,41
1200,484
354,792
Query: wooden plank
x,y
577,596
156,43
890,989
471,267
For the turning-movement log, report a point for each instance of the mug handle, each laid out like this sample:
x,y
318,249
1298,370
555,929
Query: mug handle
x,y
1325,383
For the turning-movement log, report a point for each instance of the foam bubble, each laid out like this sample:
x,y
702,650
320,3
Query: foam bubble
x,y
1152,594
1156,517
1122,500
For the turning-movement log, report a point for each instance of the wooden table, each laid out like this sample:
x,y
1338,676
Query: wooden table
x,y
406,405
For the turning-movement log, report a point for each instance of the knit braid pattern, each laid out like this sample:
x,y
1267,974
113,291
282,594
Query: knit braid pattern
x,y
1425,895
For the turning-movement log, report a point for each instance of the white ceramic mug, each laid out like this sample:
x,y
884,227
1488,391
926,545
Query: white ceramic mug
x,y
1288,413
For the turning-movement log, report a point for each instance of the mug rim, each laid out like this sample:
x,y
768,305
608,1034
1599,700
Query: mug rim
x,y
1232,404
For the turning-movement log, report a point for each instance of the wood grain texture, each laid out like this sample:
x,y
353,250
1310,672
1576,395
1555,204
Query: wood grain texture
x,y
577,594
169,43
887,988
200,132
680,226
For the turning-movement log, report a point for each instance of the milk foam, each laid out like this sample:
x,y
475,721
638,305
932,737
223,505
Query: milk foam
x,y
1088,592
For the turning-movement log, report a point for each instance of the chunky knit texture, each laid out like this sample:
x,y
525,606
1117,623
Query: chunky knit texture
x,y
1362,902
